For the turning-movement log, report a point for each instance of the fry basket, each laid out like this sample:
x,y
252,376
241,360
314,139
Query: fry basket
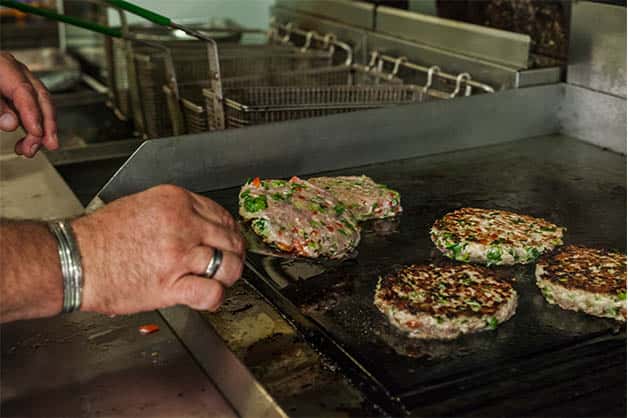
x,y
160,70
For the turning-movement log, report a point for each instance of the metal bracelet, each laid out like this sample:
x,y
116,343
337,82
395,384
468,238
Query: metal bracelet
x,y
71,265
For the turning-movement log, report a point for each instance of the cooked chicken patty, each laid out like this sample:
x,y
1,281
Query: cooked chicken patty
x,y
584,279
494,237
362,196
298,217
429,301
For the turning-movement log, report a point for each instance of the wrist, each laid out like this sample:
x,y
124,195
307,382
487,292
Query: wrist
x,y
87,244
70,263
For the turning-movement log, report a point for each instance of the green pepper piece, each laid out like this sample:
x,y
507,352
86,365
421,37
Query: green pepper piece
x,y
494,255
492,322
261,226
255,204
339,208
533,253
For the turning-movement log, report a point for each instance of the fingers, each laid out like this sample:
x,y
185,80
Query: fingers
x,y
220,236
28,146
24,99
31,107
50,140
16,88
230,269
198,293
8,120
213,212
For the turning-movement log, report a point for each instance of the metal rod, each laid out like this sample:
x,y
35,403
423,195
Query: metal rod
x,y
328,39
396,61
156,18
442,74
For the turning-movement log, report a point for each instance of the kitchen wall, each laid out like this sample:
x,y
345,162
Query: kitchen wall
x,y
427,7
248,13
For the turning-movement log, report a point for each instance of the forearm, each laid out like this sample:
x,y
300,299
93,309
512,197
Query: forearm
x,y
31,284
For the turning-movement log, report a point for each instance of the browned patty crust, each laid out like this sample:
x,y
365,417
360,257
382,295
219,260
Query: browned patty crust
x,y
589,269
494,237
584,279
431,301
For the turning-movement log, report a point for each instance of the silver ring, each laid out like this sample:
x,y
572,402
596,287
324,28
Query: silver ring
x,y
214,264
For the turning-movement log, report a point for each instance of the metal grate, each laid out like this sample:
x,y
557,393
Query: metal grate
x,y
260,105
190,65
278,97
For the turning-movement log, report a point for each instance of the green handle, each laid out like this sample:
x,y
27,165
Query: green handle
x,y
140,11
50,14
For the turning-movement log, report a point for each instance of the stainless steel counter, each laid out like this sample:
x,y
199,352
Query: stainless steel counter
x,y
87,365
91,365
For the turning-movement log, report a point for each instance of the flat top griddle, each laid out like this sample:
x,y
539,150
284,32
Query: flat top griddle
x,y
563,180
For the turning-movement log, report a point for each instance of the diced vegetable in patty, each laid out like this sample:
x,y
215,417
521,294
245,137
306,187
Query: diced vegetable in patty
x,y
494,237
298,217
431,301
362,196
584,279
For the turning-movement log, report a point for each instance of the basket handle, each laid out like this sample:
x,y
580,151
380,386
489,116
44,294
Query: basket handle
x,y
396,66
430,74
466,77
330,42
379,58
376,64
140,11
308,41
330,39
374,60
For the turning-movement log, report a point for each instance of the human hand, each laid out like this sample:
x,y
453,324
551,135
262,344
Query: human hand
x,y
25,101
149,250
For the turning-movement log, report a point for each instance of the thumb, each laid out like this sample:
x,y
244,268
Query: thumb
x,y
8,120
198,293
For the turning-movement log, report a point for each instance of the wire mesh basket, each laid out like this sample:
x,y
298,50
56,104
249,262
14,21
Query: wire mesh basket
x,y
117,76
249,65
189,66
223,31
189,114
259,105
186,109
318,92
271,96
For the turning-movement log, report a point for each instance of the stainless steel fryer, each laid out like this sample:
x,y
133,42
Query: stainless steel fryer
x,y
263,97
522,158
197,100
325,91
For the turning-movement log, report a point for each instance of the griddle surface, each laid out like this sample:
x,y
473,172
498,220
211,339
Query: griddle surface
x,y
566,181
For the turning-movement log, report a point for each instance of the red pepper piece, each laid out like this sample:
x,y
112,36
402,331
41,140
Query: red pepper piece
x,y
256,182
148,329
298,246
